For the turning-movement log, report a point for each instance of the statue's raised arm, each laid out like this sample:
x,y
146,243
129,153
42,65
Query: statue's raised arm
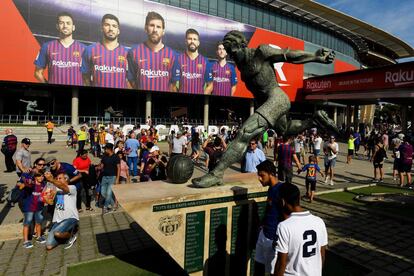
x,y
275,55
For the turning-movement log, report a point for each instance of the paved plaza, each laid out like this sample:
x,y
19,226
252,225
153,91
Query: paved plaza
x,y
379,242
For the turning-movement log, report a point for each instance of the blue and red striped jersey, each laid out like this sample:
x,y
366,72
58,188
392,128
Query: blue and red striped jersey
x,y
31,197
193,74
108,68
151,70
285,153
224,78
63,63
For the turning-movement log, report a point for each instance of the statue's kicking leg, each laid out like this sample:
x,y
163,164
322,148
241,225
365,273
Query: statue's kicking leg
x,y
263,118
293,127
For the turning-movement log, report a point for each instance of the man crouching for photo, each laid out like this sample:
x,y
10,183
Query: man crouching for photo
x,y
66,217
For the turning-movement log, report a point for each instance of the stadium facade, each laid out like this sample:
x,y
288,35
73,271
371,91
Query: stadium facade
x,y
302,25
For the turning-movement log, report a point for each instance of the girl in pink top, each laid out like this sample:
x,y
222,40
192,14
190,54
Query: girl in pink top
x,y
124,173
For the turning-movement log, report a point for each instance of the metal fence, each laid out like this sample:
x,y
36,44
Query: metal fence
x,y
67,120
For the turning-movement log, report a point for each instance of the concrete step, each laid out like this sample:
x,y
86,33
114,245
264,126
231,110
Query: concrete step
x,y
35,133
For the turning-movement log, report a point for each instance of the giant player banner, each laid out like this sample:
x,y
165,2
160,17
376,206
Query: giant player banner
x,y
129,44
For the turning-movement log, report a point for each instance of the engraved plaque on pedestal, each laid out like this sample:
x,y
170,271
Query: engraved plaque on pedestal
x,y
194,242
218,224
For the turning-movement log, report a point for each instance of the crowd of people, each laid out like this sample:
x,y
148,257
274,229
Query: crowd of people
x,y
374,147
50,192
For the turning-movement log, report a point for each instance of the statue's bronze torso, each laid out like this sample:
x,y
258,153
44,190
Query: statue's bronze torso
x,y
258,74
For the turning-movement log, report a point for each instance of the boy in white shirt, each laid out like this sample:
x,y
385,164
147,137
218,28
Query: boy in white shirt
x,y
301,238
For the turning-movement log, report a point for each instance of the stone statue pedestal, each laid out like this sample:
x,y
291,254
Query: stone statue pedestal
x,y
207,231
30,123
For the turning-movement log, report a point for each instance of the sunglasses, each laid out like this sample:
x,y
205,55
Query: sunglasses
x,y
40,164
51,163
252,143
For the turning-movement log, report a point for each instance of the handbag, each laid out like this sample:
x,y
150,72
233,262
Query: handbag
x,y
14,195
49,194
4,148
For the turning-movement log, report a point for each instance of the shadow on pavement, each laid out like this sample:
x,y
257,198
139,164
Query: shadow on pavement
x,y
137,248
369,239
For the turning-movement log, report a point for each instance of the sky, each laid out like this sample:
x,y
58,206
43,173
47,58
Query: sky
x,y
393,16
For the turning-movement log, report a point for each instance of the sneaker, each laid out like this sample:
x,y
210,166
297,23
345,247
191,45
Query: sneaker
x,y
375,180
106,211
71,241
27,244
326,180
331,183
41,240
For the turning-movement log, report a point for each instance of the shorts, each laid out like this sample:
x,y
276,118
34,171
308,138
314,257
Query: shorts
x,y
378,165
316,152
404,168
67,225
350,152
312,184
195,148
28,217
395,165
265,253
330,162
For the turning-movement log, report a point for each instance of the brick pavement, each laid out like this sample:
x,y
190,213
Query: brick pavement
x,y
382,244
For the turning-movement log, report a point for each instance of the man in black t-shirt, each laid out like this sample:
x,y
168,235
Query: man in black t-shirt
x,y
110,164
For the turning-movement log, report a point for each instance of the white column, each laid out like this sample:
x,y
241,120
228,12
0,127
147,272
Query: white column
x,y
251,107
148,105
335,115
206,109
75,106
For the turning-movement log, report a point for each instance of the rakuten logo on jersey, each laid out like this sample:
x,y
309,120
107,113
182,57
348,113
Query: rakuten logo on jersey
x,y
191,76
399,78
109,69
154,73
65,64
217,79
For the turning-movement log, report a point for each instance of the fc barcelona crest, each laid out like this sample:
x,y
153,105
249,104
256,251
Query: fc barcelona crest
x,y
227,72
121,59
166,61
200,66
169,224
76,54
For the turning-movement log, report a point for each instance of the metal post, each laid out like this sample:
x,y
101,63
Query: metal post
x,y
404,121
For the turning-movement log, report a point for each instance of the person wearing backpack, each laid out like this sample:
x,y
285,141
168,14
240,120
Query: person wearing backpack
x,y
406,161
377,159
